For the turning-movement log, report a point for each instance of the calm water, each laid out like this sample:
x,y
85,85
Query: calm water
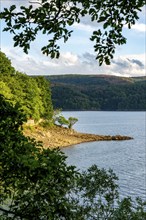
x,y
126,158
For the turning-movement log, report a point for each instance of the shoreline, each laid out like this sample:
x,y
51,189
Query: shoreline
x,y
61,137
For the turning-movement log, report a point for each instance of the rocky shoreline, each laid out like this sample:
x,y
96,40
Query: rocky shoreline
x,y
63,137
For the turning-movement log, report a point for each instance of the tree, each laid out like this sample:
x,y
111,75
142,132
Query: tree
x,y
27,93
62,120
72,121
45,96
36,183
54,19
99,198
32,93
5,65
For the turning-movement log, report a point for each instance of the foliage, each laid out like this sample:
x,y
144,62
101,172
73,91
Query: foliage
x,y
128,209
5,65
45,96
62,120
5,90
56,114
54,18
98,93
33,94
36,183
72,121
98,190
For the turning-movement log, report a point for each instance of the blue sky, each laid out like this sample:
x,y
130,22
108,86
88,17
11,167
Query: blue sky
x,y
77,55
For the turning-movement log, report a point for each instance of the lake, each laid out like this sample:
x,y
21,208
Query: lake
x,y
126,158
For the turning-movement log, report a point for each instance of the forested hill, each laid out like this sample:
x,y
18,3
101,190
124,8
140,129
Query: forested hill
x,y
102,92
32,94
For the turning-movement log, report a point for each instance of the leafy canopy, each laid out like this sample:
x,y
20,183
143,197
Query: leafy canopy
x,y
32,93
55,18
36,183
5,65
72,121
62,121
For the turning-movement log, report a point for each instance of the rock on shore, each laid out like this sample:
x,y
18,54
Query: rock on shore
x,y
62,137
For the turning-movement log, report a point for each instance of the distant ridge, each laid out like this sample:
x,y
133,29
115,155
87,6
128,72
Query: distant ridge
x,y
98,92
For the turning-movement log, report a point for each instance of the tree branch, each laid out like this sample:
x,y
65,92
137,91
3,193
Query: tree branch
x,y
6,211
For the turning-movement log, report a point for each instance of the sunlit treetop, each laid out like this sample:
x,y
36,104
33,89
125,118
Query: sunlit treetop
x,y
55,18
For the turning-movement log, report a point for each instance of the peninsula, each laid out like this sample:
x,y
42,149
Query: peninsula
x,y
61,137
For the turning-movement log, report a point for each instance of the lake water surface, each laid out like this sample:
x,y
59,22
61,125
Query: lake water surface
x,y
126,158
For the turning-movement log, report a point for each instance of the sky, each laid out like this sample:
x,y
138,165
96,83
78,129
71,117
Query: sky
x,y
77,56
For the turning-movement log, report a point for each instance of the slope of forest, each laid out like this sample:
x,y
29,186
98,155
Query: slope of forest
x,y
32,94
98,92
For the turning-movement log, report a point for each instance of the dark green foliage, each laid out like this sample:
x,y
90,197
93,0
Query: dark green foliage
x,y
33,94
99,198
54,19
45,96
76,92
99,192
67,98
36,183
130,210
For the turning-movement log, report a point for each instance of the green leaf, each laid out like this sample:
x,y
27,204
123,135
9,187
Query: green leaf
x,y
101,19
16,44
12,8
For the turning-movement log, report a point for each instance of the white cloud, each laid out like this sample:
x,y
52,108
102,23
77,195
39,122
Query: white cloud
x,y
69,63
8,3
139,27
68,59
129,65
83,27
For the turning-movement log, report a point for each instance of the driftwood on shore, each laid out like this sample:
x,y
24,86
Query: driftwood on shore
x,y
63,137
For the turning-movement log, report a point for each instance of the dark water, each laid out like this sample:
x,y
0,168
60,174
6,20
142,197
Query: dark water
x,y
126,158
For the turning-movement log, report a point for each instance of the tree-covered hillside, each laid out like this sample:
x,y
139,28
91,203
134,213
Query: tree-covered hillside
x,y
32,94
102,92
